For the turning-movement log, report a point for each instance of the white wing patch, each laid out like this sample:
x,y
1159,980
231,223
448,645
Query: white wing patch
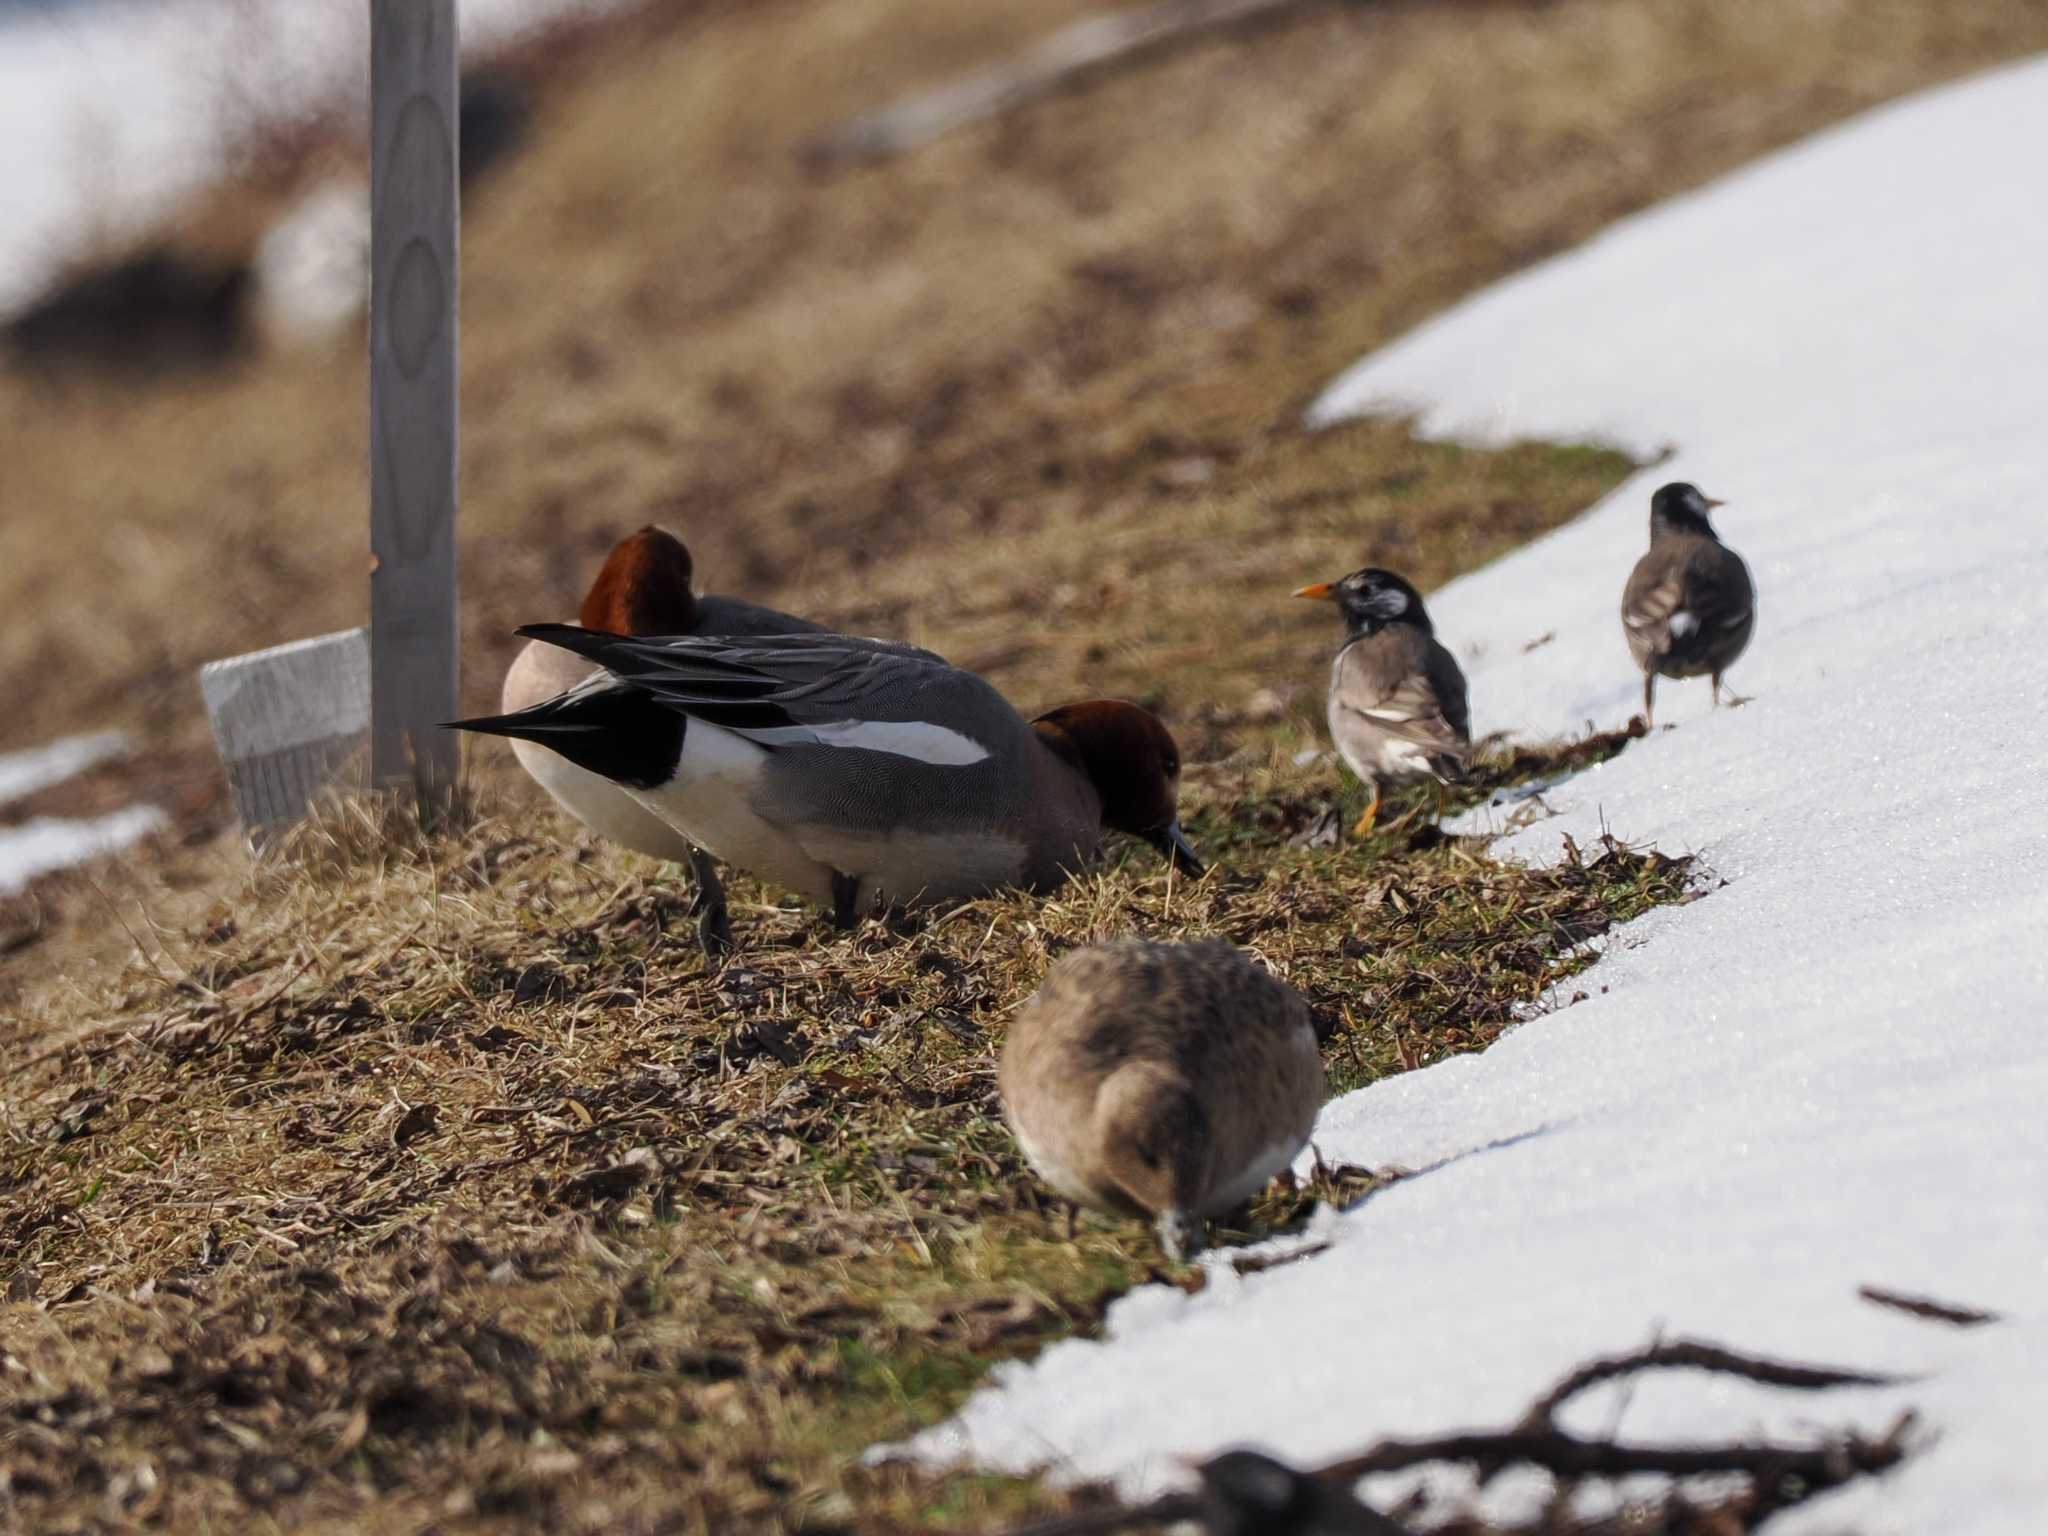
x,y
918,739
1683,623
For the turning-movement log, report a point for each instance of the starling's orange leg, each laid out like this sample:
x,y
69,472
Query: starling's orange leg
x,y
1649,697
1372,814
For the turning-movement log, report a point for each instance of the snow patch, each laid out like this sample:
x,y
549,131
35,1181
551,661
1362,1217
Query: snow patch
x,y
115,114
1830,1072
53,842
23,773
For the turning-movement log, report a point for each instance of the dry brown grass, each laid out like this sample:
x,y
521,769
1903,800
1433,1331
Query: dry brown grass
x,y
440,1180
1025,395
329,1210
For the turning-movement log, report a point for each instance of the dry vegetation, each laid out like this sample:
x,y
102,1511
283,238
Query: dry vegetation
x,y
440,1179
400,1186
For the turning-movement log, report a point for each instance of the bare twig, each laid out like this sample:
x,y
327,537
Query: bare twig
x,y
1928,1307
1816,1466
1694,1355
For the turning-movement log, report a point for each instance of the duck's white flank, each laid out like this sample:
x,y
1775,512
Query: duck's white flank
x,y
710,802
540,672
600,804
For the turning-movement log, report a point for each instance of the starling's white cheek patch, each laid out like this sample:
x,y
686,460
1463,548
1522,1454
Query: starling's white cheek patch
x,y
1683,624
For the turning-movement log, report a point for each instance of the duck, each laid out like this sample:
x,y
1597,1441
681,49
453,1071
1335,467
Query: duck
x,y
856,772
1689,607
1397,706
643,588
1168,1081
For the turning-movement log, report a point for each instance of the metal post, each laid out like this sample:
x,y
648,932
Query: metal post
x,y
413,278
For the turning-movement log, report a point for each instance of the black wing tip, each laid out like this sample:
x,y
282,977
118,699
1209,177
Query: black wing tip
x,y
486,725
554,631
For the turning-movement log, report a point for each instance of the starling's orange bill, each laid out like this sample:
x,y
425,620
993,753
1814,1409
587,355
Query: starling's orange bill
x,y
1713,501
1320,589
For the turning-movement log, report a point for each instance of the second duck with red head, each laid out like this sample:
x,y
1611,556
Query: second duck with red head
x,y
643,588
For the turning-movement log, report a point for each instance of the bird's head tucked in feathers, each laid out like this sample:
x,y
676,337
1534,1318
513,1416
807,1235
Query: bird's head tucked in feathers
x,y
1681,507
1133,762
1371,599
644,587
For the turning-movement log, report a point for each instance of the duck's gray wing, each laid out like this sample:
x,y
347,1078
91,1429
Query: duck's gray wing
x,y
808,690
726,616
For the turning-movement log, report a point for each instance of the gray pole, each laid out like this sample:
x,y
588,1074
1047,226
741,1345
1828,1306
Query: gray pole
x,y
413,277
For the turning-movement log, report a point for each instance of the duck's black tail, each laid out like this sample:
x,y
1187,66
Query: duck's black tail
x,y
614,730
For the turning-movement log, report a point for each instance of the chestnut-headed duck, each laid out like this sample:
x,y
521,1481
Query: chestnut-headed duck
x,y
855,771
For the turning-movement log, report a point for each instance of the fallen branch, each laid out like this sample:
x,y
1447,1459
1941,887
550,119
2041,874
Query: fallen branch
x,y
1779,1474
1694,1355
1928,1307
1074,51
1771,1466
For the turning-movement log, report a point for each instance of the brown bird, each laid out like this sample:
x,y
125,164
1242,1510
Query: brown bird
x,y
1397,707
643,589
1689,606
1168,1081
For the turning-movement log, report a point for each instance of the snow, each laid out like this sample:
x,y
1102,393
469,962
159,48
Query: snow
x,y
56,842
44,843
1829,1072
23,773
114,114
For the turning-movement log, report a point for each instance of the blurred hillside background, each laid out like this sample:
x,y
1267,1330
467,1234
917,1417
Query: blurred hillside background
x,y
1026,393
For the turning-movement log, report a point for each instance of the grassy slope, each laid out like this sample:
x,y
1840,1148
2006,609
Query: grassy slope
x,y
1024,397
435,1178
835,387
